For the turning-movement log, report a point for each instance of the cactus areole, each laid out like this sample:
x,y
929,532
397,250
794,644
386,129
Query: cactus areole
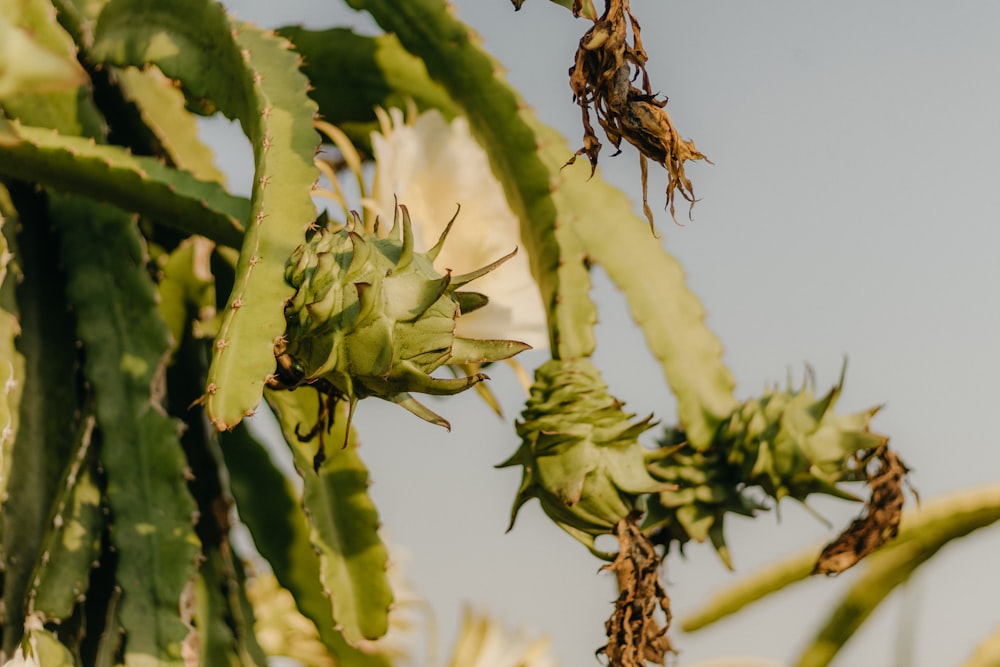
x,y
372,317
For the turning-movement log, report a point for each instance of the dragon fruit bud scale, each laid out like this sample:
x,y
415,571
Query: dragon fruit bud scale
x,y
372,317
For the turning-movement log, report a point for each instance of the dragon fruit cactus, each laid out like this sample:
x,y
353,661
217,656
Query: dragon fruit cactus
x,y
580,454
372,317
783,444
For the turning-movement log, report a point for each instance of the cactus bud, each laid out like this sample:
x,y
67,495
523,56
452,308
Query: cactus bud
x,y
785,443
372,317
580,453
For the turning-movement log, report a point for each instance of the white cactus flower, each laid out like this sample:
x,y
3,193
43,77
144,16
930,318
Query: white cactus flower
x,y
484,642
32,624
19,660
432,166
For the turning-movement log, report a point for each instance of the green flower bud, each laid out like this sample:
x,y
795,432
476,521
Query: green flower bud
x,y
372,317
579,452
786,444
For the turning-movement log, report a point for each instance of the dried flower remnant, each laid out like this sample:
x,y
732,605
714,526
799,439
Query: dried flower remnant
x,y
602,78
635,636
879,521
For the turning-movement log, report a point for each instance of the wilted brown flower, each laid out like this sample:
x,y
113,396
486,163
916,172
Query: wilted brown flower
x,y
602,78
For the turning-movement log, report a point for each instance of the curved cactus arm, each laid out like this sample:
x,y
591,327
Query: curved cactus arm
x,y
525,154
352,74
671,317
161,106
44,438
987,653
343,520
501,123
126,342
103,172
880,578
960,512
74,539
252,76
888,568
281,534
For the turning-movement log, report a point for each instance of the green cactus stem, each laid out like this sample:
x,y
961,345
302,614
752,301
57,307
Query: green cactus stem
x,y
127,348
73,541
253,76
170,196
343,526
372,317
46,346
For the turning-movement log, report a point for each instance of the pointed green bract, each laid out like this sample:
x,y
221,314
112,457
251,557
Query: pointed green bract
x,y
371,317
126,341
579,453
195,42
706,488
142,184
343,521
792,443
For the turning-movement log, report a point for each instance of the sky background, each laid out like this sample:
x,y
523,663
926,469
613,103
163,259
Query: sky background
x,y
851,211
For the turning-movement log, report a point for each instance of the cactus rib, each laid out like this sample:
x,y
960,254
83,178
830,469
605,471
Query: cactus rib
x,y
73,541
46,343
171,196
126,342
195,42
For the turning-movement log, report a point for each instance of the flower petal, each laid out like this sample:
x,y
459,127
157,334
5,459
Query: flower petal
x,y
433,167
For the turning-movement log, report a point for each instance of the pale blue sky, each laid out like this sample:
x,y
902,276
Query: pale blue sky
x,y
850,211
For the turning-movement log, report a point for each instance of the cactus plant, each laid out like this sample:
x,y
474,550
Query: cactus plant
x,y
146,311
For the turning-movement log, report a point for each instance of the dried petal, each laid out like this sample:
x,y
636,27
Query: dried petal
x,y
879,521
